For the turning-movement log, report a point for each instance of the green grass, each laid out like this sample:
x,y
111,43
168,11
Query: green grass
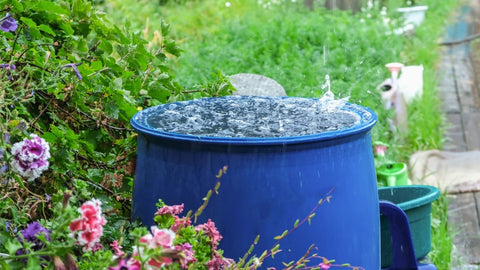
x,y
298,48
441,235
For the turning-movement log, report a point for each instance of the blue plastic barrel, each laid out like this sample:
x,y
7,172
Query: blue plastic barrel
x,y
270,183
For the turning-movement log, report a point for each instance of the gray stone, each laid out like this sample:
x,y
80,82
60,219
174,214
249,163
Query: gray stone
x,y
247,84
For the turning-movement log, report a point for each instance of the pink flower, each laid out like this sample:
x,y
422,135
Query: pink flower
x,y
158,239
127,265
186,254
325,264
219,263
89,227
117,249
172,210
212,232
380,149
180,223
96,247
30,157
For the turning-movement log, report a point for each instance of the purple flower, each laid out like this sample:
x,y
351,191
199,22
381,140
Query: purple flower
x,y
3,169
8,67
30,157
8,23
9,227
74,66
30,235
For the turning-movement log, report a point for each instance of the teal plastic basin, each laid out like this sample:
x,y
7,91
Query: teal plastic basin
x,y
416,202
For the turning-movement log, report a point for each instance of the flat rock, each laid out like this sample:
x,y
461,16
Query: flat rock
x,y
247,84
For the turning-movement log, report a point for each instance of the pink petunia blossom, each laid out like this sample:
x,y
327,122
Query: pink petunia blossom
x,y
212,232
30,157
127,265
180,223
117,249
219,263
96,247
89,227
186,254
158,239
172,210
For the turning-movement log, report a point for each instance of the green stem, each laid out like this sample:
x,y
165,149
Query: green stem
x,y
16,257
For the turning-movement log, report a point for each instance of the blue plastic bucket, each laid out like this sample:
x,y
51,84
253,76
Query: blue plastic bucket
x,y
270,183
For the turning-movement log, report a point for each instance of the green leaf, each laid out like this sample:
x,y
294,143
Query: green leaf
x,y
46,29
106,46
160,94
82,46
111,108
117,83
50,137
29,22
16,6
51,7
12,246
4,266
279,237
96,65
34,263
66,27
296,223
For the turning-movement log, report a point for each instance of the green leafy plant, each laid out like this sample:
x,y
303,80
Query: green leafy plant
x,y
74,78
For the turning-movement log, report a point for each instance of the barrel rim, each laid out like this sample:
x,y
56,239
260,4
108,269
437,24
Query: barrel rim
x,y
367,120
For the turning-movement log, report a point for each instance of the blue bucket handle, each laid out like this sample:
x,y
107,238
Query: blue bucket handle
x,y
402,246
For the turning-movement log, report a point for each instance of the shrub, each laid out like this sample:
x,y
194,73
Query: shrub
x,y
75,79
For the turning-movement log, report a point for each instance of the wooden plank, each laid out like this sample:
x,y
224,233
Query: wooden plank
x,y
464,79
477,201
454,134
463,218
445,75
471,126
450,102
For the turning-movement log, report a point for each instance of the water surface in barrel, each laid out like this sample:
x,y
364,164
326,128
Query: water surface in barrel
x,y
252,116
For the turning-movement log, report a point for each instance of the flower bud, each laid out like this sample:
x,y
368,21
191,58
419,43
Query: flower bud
x,y
66,198
58,264
70,262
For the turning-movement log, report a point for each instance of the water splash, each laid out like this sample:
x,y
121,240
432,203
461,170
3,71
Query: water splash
x,y
248,116
328,103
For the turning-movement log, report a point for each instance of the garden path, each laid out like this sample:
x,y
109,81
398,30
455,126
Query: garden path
x,y
461,102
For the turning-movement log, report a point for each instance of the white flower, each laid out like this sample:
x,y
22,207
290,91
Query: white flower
x,y
30,157
228,4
